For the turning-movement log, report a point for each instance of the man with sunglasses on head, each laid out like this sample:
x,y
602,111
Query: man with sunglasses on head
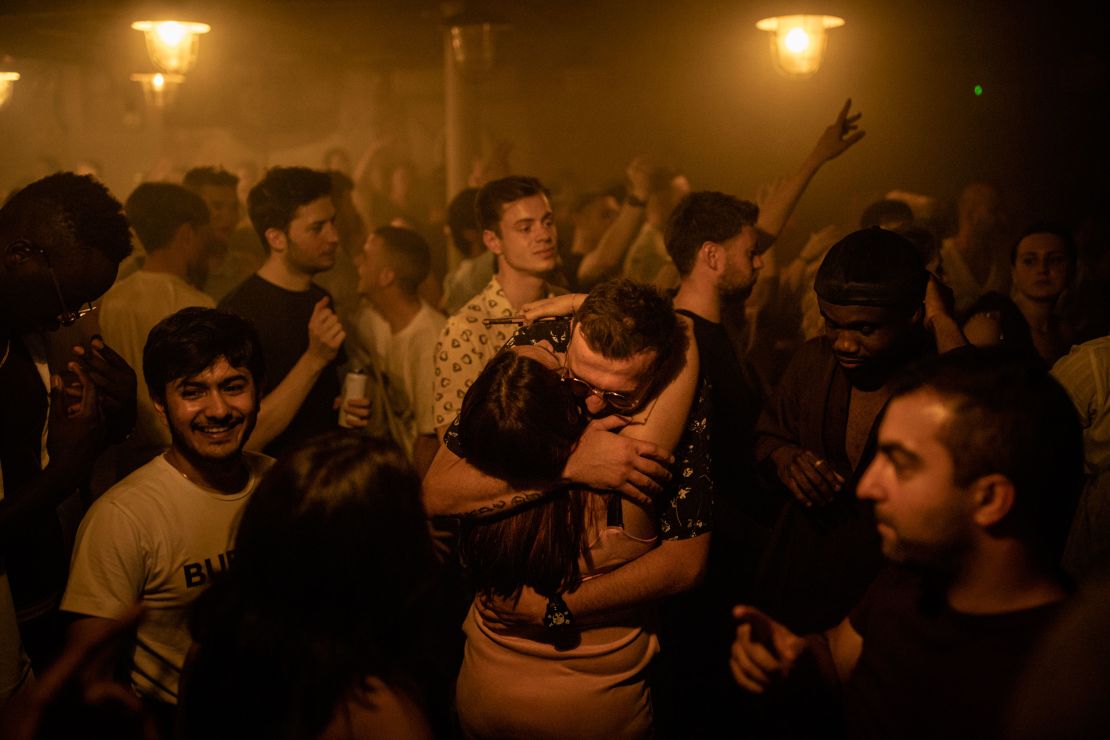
x,y
61,241
622,346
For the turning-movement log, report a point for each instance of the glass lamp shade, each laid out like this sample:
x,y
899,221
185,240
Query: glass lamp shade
x,y
798,41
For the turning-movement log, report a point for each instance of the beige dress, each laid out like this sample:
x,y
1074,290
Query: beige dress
x,y
513,687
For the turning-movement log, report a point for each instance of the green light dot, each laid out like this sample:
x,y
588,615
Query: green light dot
x,y
978,90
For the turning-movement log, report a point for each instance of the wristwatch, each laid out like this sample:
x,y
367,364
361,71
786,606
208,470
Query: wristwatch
x,y
557,617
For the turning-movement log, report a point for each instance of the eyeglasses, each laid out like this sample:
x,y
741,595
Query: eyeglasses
x,y
66,317
582,390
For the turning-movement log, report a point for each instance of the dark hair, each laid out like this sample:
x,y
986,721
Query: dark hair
x,y
409,256
496,194
1058,230
883,211
333,581
1014,329
216,177
520,423
701,217
462,215
274,201
69,211
1010,417
158,209
622,318
189,341
924,241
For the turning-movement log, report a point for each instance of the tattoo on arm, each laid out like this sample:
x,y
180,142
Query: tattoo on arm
x,y
502,505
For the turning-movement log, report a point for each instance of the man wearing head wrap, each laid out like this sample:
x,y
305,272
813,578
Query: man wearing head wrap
x,y
817,434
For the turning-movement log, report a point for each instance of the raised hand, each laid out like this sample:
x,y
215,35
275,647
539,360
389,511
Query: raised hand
x,y
115,383
560,305
840,135
763,651
325,332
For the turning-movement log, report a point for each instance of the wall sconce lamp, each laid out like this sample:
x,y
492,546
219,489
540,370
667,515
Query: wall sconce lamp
x,y
798,43
158,88
7,83
172,45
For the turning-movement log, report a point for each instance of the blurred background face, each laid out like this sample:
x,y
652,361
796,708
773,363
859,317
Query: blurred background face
x,y
591,221
1042,268
223,205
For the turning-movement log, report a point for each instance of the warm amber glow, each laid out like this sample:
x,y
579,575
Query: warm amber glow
x,y
172,45
7,85
798,43
797,40
158,88
473,46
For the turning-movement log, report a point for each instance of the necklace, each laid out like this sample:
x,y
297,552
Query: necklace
x,y
247,485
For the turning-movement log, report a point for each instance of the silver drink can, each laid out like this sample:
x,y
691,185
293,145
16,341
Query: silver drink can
x,y
354,386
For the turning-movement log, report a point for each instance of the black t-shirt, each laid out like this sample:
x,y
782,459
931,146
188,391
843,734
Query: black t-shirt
x,y
281,317
927,671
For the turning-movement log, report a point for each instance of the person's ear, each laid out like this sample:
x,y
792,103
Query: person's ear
x,y
160,409
713,255
993,498
277,239
386,277
492,241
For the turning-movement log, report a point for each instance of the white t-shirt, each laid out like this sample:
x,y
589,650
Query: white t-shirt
x,y
158,538
408,358
128,311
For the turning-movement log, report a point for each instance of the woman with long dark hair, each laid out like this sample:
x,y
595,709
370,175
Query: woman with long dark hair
x,y
520,422
322,628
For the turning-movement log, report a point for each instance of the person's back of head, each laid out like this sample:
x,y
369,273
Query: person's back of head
x,y
462,222
873,267
158,209
273,202
1010,417
409,257
705,216
887,213
332,584
495,195
520,423
198,178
